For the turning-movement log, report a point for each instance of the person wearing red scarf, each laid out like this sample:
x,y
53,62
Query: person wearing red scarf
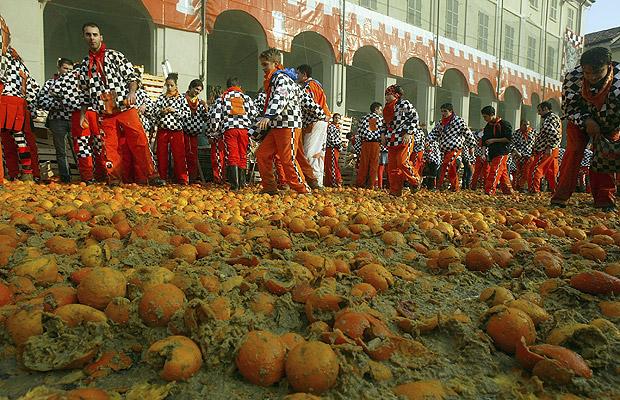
x,y
401,121
231,116
546,149
497,136
18,93
110,85
591,104
193,126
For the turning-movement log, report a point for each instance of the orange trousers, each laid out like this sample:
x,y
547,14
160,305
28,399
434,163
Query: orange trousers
x,y
332,176
481,170
544,165
191,157
498,174
449,167
136,142
87,146
176,140
399,168
369,164
417,161
576,142
523,172
20,144
283,142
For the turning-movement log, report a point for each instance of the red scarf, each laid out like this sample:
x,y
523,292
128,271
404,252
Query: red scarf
x,y
192,102
232,89
96,58
388,112
598,99
496,125
173,94
267,83
446,121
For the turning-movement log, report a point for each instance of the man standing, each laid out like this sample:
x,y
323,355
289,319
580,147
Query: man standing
x,y
450,132
369,137
110,84
481,168
522,144
546,149
232,115
315,132
58,118
194,126
497,137
333,178
591,103
18,92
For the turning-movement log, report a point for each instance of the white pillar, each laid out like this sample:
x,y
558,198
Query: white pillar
x,y
25,20
465,107
512,113
425,103
338,88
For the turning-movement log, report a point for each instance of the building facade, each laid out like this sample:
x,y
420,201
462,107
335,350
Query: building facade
x,y
609,38
510,53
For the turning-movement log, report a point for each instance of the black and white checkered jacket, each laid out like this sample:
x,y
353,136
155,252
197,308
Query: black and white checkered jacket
x,y
174,120
232,110
17,80
288,104
419,140
468,144
587,158
452,136
577,110
405,122
357,144
147,117
550,135
195,124
524,145
259,103
310,118
67,90
561,154
119,73
334,138
368,121
52,104
432,154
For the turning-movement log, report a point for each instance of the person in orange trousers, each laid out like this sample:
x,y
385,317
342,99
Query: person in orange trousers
x,y
332,177
496,137
522,145
369,134
401,121
87,147
481,167
284,104
591,104
546,149
193,126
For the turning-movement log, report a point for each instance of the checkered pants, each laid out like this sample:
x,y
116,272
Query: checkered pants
x,y
87,143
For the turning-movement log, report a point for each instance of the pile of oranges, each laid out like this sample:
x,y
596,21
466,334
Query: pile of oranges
x,y
197,292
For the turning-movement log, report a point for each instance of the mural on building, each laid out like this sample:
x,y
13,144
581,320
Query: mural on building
x,y
396,40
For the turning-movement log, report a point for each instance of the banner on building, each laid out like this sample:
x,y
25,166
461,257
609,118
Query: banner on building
x,y
178,14
573,47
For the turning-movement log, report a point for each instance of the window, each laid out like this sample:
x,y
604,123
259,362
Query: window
x,y
534,3
414,12
551,61
553,10
452,19
483,31
531,53
372,4
509,43
570,19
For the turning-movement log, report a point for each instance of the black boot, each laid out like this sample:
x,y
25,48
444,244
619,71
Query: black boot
x,y
241,172
232,176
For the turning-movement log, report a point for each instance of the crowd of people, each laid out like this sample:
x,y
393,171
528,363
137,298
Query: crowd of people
x,y
293,136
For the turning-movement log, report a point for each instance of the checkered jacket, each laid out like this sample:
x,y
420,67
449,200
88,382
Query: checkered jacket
x,y
357,144
522,144
67,90
469,143
47,101
143,99
288,106
587,158
561,154
310,118
364,131
259,103
577,110
432,154
173,120
452,136
221,117
419,140
119,73
334,138
17,80
195,124
405,122
550,135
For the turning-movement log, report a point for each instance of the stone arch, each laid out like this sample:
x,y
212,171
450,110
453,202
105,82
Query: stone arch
x,y
511,106
236,40
485,95
530,113
366,79
315,50
416,81
121,23
455,90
